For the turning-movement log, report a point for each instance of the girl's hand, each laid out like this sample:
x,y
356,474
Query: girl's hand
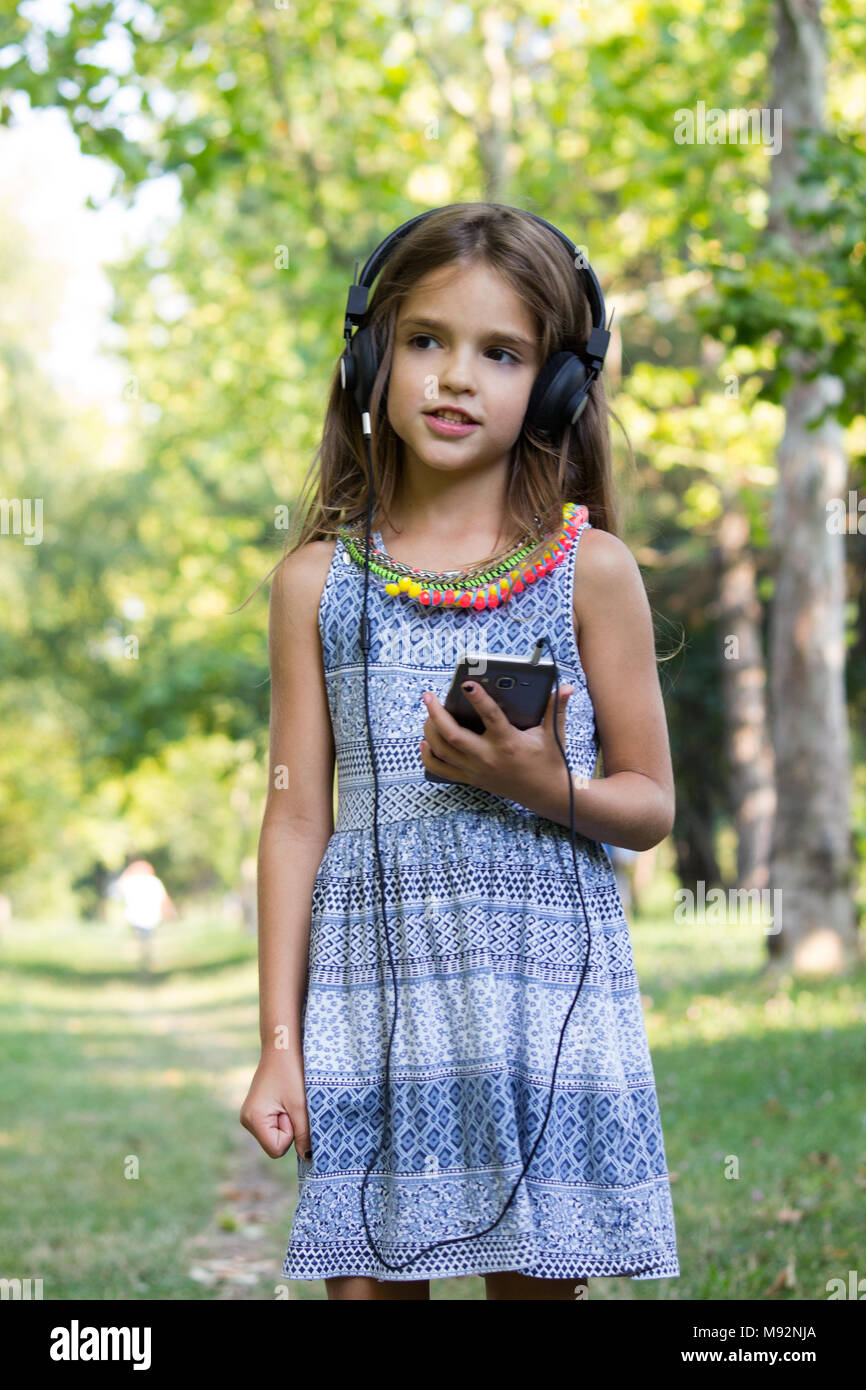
x,y
275,1108
514,763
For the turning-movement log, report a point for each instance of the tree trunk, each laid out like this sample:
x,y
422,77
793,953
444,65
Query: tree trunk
x,y
810,857
744,687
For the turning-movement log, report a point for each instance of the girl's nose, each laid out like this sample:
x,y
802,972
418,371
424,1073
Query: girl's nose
x,y
457,386
457,375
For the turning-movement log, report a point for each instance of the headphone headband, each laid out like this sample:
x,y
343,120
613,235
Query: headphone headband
x,y
358,293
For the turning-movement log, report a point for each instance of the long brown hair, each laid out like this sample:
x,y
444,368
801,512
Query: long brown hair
x,y
537,266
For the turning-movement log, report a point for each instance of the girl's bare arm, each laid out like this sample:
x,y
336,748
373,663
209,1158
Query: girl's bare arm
x,y
297,824
634,802
299,812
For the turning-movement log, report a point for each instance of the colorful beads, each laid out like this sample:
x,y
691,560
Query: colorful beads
x,y
485,590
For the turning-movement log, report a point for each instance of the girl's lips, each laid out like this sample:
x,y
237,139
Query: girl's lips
x,y
450,427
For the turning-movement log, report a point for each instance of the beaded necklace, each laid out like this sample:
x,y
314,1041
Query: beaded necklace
x,y
471,573
495,585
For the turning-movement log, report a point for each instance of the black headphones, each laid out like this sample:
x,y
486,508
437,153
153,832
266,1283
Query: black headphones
x,y
558,398
561,388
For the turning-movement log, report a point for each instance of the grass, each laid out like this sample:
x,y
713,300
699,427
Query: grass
x,y
126,1174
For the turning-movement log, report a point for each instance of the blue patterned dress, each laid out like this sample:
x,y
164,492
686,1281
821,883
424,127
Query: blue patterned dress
x,y
488,940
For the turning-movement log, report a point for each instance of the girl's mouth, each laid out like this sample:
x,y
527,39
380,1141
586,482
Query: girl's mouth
x,y
454,428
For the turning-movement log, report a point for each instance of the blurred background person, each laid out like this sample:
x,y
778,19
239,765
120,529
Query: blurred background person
x,y
146,903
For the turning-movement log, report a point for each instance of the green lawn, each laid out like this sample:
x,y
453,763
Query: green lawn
x,y
103,1071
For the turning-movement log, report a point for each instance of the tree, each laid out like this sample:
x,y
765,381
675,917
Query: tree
x,y
811,855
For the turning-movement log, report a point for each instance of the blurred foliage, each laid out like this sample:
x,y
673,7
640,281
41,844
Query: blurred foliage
x,y
135,693
817,306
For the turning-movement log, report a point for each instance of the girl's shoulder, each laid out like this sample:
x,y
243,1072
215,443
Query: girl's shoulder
x,y
601,550
306,562
604,566
299,578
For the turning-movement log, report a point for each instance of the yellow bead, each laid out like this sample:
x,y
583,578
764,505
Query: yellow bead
x,y
405,582
392,589
415,589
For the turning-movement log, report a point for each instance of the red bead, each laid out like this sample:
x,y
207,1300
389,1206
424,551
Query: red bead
x,y
480,600
449,596
424,596
493,599
517,586
530,576
465,599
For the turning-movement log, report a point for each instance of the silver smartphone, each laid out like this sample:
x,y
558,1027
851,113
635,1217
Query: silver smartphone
x,y
519,686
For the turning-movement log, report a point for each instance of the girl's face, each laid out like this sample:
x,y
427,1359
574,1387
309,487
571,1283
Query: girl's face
x,y
466,340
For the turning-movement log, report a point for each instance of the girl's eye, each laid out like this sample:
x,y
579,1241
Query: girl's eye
x,y
425,337
507,353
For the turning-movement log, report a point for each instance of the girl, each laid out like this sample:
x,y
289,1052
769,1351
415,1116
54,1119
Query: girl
x,y
482,904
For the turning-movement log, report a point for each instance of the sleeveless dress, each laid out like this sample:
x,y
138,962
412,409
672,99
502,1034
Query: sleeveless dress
x,y
488,940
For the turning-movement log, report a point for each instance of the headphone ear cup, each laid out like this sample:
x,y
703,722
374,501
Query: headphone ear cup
x,y
359,375
555,394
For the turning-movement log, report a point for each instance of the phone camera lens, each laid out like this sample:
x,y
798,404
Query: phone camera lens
x,y
505,682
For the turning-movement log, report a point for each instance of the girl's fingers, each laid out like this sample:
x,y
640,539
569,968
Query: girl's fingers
x,y
558,706
491,715
566,696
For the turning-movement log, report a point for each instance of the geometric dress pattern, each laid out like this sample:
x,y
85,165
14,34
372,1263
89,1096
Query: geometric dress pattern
x,y
488,941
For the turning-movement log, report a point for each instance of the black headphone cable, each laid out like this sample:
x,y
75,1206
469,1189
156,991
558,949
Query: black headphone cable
x,y
365,646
